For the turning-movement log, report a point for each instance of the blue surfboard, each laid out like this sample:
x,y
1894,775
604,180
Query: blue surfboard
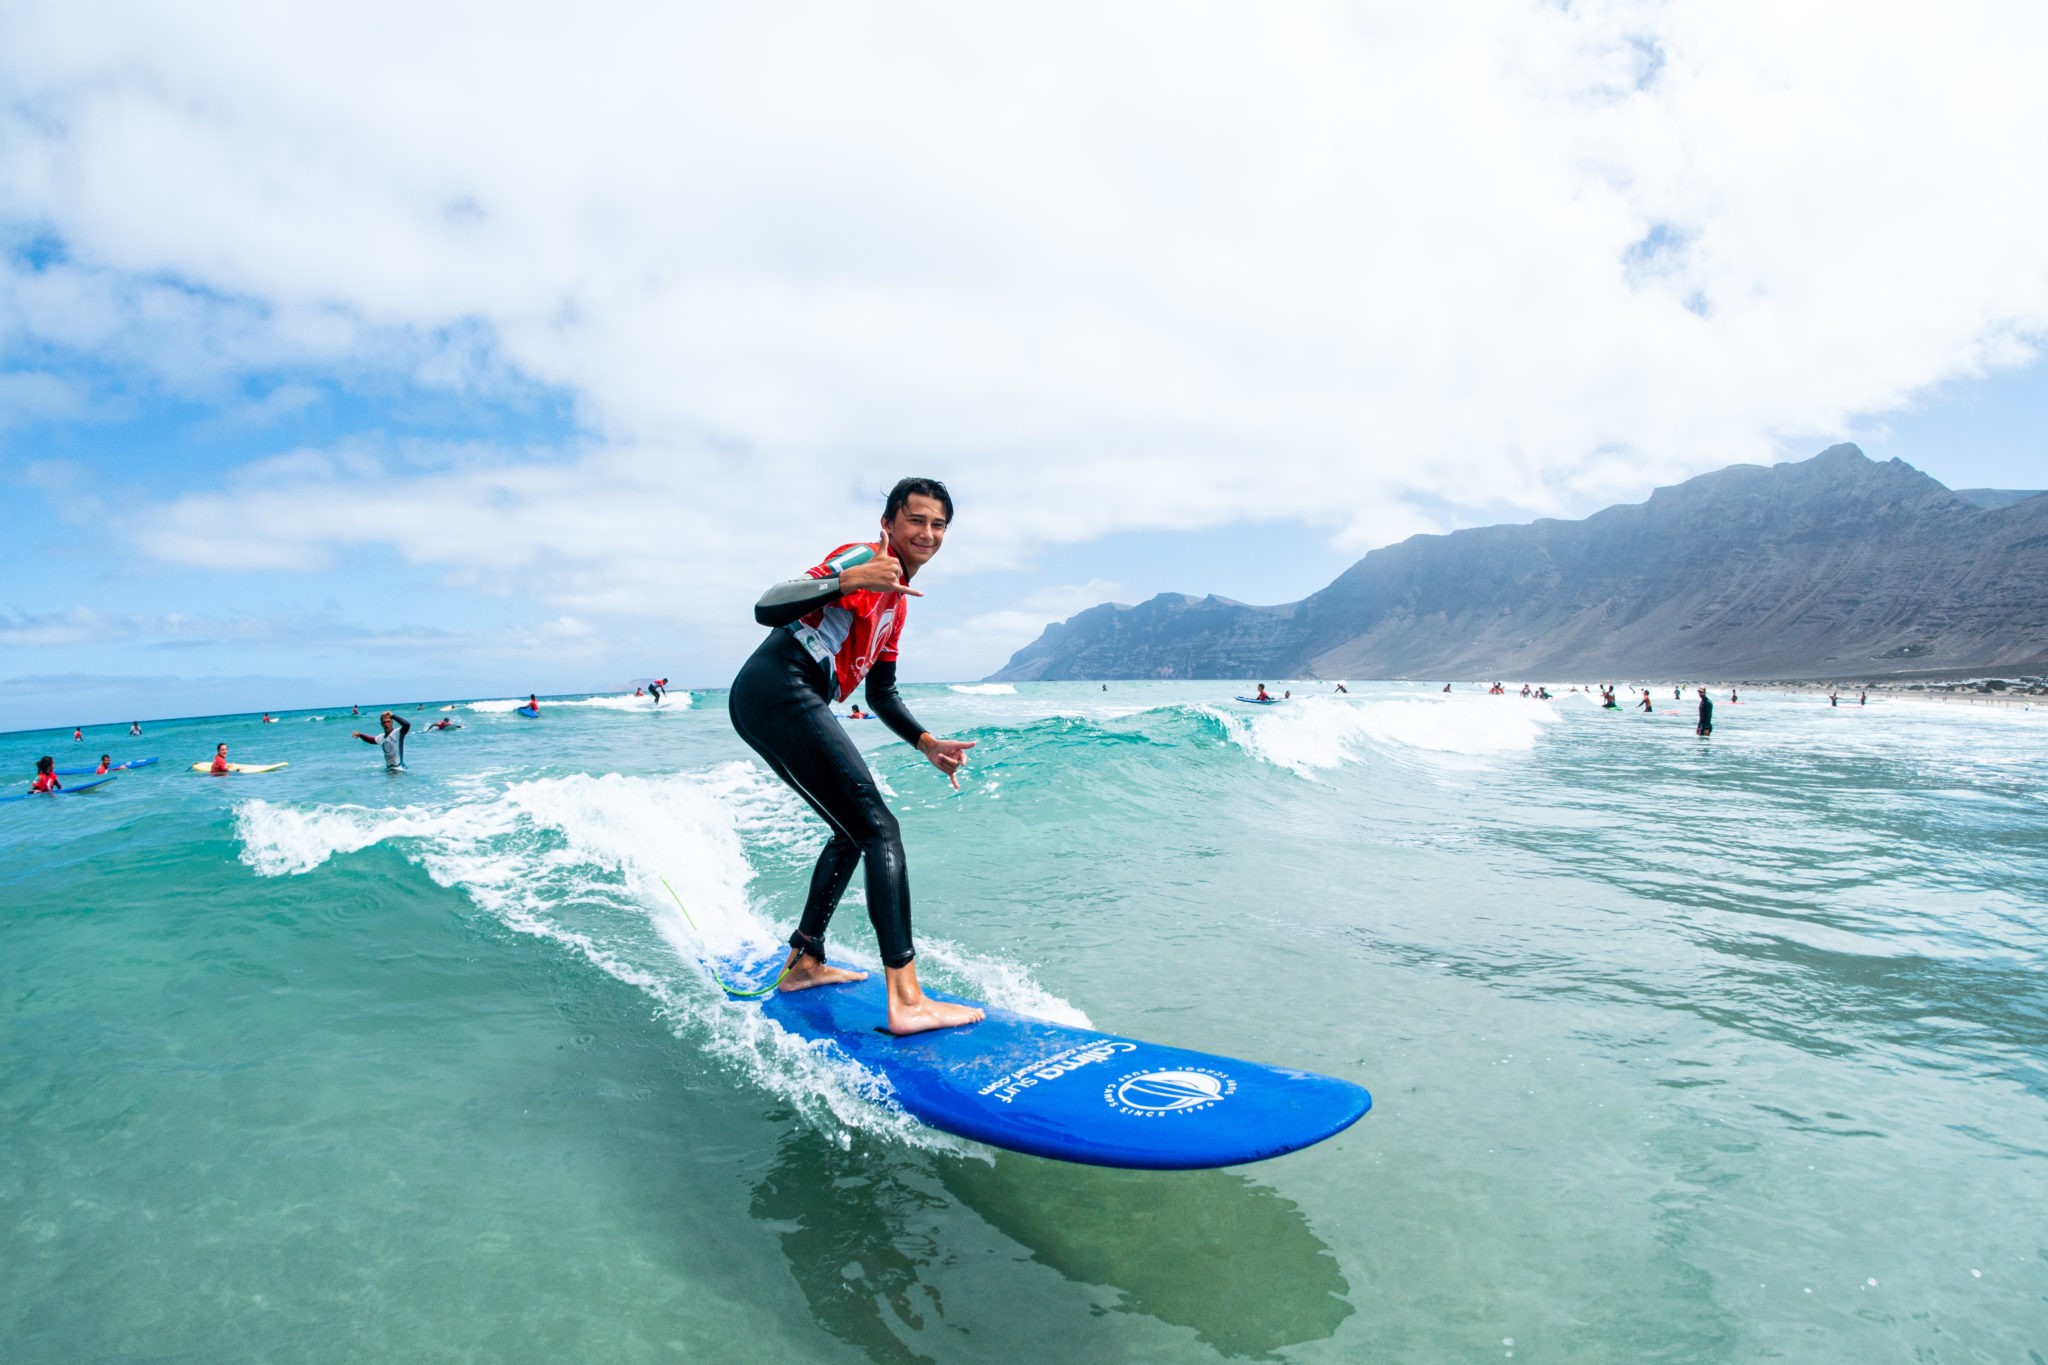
x,y
116,768
1263,701
62,791
528,712
1073,1094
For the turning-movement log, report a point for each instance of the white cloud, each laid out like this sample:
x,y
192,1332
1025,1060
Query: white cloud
x,y
1147,266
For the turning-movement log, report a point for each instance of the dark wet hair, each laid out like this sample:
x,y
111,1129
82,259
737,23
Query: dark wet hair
x,y
45,764
901,493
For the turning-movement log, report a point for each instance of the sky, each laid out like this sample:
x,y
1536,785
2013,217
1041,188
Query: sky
x,y
375,353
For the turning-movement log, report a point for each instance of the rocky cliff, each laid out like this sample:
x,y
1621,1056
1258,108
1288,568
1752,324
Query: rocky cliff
x,y
1828,567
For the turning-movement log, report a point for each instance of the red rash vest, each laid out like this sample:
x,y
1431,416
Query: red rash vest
x,y
854,633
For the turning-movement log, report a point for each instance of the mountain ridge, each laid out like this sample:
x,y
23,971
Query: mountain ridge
x,y
1828,566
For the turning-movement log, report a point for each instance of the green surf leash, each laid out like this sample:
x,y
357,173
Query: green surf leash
x,y
733,991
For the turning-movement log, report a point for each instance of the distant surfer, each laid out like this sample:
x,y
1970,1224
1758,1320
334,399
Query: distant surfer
x,y
135,729
1447,687
832,629
639,691
1833,700
1607,701
445,723
46,776
1706,725
267,720
77,736
656,688
1734,697
1342,688
355,710
1645,702
854,712
220,761
1863,699
533,702
391,741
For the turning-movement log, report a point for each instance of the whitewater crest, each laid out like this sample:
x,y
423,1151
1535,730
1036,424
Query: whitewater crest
x,y
984,689
1308,734
580,861
603,701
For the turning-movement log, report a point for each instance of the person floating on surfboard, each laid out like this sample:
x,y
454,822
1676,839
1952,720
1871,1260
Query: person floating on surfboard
x,y
533,702
392,740
220,761
832,629
46,775
106,762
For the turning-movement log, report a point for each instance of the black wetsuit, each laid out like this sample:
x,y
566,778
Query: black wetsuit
x,y
1706,726
781,706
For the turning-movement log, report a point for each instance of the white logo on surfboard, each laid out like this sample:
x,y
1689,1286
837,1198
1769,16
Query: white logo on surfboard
x,y
1148,1094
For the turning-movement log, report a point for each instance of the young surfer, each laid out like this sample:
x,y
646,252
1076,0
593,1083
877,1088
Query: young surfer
x,y
392,740
46,776
1262,696
533,701
832,629
77,736
220,761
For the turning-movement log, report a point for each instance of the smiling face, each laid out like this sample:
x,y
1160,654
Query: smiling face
x,y
916,531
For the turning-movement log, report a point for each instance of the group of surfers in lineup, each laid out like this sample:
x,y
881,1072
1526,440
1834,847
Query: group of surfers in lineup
x,y
390,737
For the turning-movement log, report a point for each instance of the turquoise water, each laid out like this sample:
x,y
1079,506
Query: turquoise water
x,y
1680,1050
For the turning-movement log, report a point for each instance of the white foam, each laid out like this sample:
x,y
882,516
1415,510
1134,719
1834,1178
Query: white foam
x,y
580,861
1312,733
672,701
503,704
985,689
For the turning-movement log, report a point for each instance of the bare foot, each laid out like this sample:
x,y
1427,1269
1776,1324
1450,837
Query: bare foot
x,y
912,1011
805,971
930,1014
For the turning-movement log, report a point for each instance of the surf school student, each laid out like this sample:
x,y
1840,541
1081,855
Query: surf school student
x,y
220,761
135,729
656,687
1645,702
831,630
106,762
1262,693
77,736
46,776
533,701
391,741
1706,725
639,691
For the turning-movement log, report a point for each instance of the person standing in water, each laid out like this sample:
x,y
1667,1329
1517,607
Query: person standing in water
x,y
1706,725
391,741
135,729
831,630
1645,703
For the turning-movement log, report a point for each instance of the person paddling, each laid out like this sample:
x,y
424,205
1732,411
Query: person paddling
x,y
831,630
392,740
220,761
533,702
46,776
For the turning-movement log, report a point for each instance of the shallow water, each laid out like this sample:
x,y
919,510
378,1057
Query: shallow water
x,y
1679,1049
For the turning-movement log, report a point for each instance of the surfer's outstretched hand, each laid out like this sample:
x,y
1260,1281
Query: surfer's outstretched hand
x,y
947,755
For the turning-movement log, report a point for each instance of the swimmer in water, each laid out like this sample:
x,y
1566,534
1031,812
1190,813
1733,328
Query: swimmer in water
x,y
78,736
106,764
135,729
220,761
830,631
391,741
46,776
